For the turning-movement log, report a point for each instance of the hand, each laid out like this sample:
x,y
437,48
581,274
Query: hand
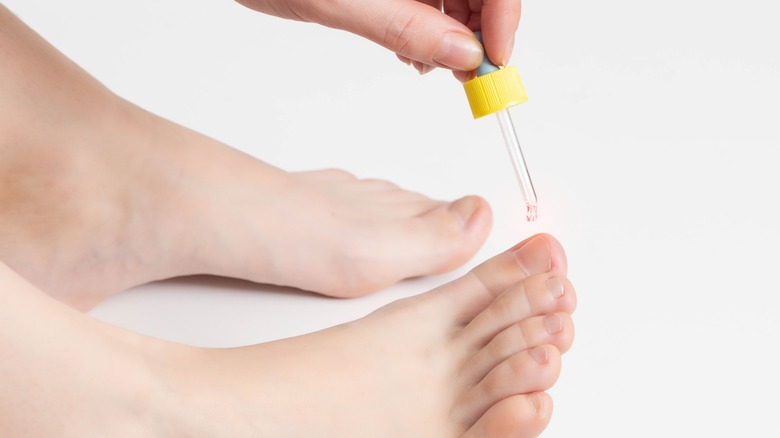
x,y
416,30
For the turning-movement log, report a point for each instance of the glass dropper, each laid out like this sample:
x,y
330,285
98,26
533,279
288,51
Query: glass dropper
x,y
518,162
495,90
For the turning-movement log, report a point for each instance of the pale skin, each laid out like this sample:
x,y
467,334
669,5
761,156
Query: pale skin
x,y
424,33
97,195
328,222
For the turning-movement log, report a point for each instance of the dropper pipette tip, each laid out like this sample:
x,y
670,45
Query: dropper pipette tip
x,y
530,212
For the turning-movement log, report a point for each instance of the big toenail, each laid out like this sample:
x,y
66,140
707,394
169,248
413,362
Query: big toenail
x,y
540,355
553,323
534,256
465,207
536,402
555,286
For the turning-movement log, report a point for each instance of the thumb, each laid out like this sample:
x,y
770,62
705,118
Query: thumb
x,y
411,29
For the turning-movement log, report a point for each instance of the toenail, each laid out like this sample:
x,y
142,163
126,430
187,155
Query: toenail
x,y
540,355
465,208
536,402
553,323
555,286
534,256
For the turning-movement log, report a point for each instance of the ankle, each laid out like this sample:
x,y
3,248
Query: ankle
x,y
191,397
71,225
149,396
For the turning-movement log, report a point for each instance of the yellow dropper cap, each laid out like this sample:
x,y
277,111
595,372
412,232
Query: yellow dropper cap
x,y
495,91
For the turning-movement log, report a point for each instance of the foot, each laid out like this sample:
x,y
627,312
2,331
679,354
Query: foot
x,y
98,195
469,359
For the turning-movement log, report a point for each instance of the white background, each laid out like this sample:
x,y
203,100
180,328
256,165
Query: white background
x,y
652,137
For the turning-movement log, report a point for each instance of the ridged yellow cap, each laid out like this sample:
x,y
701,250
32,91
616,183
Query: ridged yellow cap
x,y
495,91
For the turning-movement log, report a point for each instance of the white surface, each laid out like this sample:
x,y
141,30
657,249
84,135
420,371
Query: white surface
x,y
651,134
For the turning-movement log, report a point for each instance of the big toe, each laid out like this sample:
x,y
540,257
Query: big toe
x,y
436,240
447,236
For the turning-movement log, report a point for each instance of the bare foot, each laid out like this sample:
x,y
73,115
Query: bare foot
x,y
98,195
469,359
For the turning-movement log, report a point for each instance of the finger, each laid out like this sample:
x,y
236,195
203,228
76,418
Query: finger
x,y
427,68
461,10
412,29
463,76
422,68
404,59
432,3
499,24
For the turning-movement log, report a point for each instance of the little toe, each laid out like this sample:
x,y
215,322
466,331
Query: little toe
x,y
531,370
556,329
519,416
536,295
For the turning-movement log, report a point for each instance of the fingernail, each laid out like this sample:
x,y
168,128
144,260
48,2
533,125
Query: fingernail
x,y
418,66
508,51
540,355
465,208
404,59
553,323
426,69
555,287
534,257
459,51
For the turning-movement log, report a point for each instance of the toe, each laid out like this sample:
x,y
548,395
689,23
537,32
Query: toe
x,y
433,242
529,371
447,236
465,208
556,329
519,416
474,292
536,295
